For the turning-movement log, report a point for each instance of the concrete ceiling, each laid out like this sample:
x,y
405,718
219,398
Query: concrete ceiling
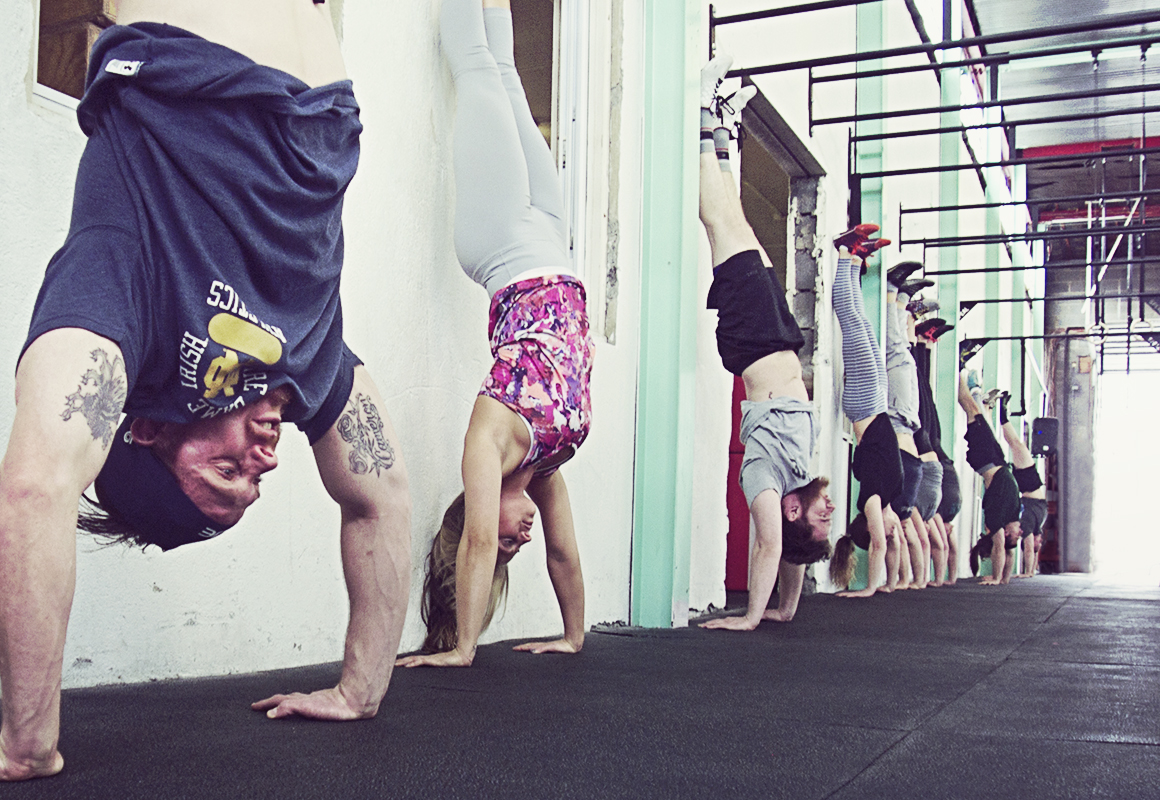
x,y
1108,66
1114,67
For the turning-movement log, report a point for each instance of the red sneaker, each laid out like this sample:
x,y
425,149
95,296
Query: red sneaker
x,y
855,236
868,247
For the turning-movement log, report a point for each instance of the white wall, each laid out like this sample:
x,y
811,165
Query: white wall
x,y
269,593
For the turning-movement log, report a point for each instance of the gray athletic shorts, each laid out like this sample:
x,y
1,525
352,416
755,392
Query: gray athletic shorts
x,y
929,490
1033,516
779,436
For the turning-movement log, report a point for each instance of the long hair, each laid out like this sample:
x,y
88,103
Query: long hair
x,y
438,608
842,563
95,519
798,545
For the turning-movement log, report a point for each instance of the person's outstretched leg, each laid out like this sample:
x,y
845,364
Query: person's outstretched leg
x,y
967,400
726,129
498,235
864,394
719,205
491,174
1021,457
543,178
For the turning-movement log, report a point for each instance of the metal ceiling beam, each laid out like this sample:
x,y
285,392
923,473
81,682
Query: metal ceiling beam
x,y
1050,265
1046,336
1012,162
1009,123
996,59
1132,296
1037,201
751,16
1060,97
1104,23
1033,236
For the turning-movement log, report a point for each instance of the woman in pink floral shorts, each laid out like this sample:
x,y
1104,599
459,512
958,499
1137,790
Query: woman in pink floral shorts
x,y
533,410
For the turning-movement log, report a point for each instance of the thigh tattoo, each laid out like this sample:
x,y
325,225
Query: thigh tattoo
x,y
361,426
100,396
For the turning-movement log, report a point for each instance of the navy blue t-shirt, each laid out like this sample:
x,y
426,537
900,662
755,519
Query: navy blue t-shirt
x,y
206,235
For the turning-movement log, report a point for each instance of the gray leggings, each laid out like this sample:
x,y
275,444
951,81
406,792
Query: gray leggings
x,y
901,374
509,215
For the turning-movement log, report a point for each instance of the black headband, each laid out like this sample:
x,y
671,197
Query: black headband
x,y
135,485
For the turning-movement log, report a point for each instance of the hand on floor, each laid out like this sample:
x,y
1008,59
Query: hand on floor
x,y
555,646
452,658
328,704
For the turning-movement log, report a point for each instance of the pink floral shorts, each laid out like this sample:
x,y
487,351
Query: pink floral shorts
x,y
543,362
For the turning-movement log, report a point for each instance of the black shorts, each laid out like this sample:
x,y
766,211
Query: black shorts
x,y
922,442
1027,478
982,449
753,317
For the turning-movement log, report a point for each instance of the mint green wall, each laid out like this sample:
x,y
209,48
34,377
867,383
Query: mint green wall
x,y
662,504
871,99
946,355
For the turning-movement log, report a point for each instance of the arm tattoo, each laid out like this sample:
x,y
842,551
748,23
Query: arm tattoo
x,y
101,406
361,426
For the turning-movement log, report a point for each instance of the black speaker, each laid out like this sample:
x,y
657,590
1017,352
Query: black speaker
x,y
1044,435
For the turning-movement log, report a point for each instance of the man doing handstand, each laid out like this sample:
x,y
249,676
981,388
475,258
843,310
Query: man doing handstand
x,y
198,291
758,339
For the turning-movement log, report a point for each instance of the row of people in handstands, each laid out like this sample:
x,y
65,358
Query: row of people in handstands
x,y
198,292
909,492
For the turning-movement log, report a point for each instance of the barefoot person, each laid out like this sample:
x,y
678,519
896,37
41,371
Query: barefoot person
x,y
197,291
758,339
877,463
534,410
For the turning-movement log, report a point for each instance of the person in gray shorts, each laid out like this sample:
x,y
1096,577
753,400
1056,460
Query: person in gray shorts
x,y
758,339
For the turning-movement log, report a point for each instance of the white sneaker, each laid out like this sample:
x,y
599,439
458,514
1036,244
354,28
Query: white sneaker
x,y
729,108
711,76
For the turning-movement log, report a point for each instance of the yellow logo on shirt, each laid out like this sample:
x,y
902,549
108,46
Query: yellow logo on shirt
x,y
236,334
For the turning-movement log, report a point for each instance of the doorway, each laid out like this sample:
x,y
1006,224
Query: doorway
x,y
1125,548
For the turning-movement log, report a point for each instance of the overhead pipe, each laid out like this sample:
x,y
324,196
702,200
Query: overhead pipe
x,y
750,16
1008,123
995,58
1087,94
1106,23
1062,297
1050,265
1036,201
1034,236
1012,162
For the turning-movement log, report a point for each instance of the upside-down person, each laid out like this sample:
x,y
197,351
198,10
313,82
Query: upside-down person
x,y
1033,491
758,339
533,411
198,291
1001,500
877,463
